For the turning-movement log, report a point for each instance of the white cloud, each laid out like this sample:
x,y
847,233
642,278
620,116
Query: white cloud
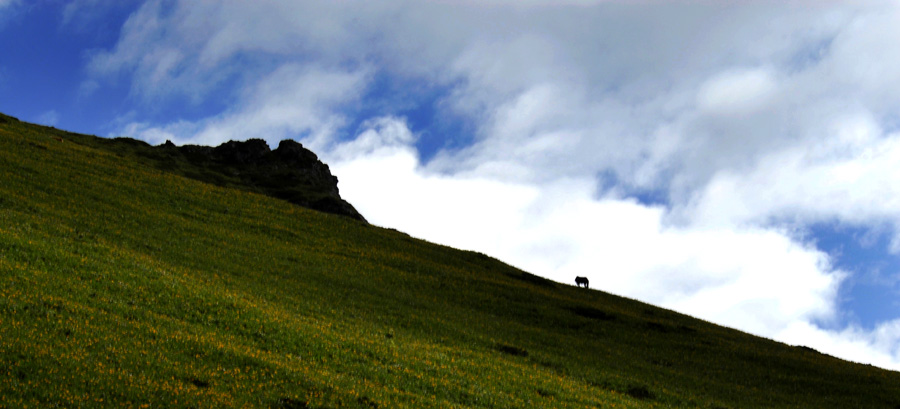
x,y
879,345
755,279
863,62
383,136
290,102
443,209
737,92
294,101
156,135
156,46
750,119
187,48
850,177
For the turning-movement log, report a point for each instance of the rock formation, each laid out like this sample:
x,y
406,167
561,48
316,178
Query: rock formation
x,y
290,172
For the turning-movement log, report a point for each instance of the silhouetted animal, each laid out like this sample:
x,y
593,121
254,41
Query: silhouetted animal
x,y
581,280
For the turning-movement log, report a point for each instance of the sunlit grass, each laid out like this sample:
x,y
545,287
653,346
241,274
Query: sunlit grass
x,y
122,285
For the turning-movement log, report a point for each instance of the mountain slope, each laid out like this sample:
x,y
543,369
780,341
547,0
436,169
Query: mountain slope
x,y
122,285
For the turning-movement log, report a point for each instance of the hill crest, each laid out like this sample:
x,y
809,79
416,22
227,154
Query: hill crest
x,y
290,172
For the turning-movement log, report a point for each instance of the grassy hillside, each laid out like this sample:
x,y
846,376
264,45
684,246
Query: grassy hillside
x,y
122,285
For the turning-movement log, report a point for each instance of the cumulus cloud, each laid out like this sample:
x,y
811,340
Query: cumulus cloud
x,y
559,230
294,101
737,92
187,49
853,183
747,121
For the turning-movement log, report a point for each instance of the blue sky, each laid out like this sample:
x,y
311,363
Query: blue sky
x,y
736,162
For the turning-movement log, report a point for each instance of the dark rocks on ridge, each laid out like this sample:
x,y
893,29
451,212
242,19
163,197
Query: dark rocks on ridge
x,y
290,172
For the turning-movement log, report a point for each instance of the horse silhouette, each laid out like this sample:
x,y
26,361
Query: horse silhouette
x,y
581,280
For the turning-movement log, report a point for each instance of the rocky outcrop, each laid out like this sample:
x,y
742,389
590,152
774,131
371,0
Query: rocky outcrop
x,y
290,172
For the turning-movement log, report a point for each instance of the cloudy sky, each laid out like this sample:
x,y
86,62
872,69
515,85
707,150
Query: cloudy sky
x,y
735,161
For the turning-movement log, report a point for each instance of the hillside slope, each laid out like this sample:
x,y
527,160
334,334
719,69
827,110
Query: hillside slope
x,y
122,285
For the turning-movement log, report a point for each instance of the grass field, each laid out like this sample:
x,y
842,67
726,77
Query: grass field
x,y
124,285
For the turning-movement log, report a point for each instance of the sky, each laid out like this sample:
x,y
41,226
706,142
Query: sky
x,y
734,161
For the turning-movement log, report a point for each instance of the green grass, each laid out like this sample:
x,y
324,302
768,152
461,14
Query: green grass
x,y
125,285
